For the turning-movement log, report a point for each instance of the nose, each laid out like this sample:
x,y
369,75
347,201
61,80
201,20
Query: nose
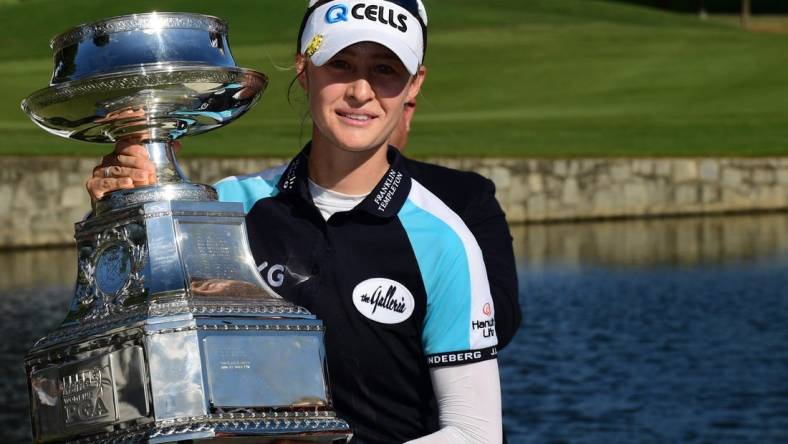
x,y
360,91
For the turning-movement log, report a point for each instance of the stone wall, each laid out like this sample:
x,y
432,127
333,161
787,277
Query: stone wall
x,y
567,189
41,197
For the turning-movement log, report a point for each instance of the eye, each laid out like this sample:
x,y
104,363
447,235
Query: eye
x,y
385,69
339,64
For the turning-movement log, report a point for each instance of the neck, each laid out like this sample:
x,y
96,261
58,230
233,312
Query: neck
x,y
347,172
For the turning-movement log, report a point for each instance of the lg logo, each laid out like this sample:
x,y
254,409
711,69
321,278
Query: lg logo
x,y
275,276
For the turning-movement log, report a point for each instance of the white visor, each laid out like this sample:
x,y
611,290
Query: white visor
x,y
341,23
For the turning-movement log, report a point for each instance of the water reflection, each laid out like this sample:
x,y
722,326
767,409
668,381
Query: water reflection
x,y
45,268
680,241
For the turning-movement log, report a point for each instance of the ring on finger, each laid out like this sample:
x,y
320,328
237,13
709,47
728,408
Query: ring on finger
x,y
106,172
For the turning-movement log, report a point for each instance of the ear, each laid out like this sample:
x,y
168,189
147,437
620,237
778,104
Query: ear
x,y
300,66
415,84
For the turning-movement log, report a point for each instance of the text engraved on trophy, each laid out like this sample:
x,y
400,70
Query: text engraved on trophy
x,y
242,370
88,393
211,251
233,358
82,397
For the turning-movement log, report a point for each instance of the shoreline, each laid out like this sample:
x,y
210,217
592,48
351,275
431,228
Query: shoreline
x,y
39,207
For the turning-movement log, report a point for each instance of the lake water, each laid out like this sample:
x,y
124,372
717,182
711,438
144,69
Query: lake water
x,y
637,331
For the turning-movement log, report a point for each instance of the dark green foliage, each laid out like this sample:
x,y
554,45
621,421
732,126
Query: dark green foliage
x,y
727,6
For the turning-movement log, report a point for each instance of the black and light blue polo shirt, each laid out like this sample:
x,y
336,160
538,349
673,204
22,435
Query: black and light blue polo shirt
x,y
400,282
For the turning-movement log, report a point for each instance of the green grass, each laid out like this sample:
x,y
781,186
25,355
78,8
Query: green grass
x,y
506,78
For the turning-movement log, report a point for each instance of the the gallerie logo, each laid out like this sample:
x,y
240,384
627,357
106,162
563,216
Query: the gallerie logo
x,y
383,300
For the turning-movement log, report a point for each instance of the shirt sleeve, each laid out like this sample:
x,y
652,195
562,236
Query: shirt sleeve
x,y
487,222
459,324
469,404
250,188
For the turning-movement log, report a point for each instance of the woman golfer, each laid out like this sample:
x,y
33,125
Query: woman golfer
x,y
376,245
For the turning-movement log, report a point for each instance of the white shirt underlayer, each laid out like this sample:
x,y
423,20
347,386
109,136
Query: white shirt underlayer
x,y
330,202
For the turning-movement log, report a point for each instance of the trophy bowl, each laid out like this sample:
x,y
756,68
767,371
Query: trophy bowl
x,y
172,334
152,76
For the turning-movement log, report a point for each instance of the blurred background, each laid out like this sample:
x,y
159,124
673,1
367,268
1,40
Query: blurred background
x,y
592,117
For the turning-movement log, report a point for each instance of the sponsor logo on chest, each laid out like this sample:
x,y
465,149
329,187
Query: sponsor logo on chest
x,y
275,274
387,191
383,300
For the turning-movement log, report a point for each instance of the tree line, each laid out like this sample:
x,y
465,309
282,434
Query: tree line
x,y
717,6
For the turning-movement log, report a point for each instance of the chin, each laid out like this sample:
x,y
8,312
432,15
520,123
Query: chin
x,y
359,141
357,146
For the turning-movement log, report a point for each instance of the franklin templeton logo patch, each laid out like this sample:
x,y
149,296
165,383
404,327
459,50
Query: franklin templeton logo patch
x,y
383,300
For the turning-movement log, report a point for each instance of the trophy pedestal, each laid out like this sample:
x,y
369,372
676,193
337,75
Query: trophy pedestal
x,y
172,335
188,378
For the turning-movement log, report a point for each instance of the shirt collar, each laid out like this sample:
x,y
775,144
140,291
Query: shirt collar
x,y
385,200
295,179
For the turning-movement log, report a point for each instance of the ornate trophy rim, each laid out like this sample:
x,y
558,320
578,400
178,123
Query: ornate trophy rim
x,y
173,77
141,76
134,22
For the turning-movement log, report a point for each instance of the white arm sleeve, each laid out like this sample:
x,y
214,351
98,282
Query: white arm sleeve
x,y
469,404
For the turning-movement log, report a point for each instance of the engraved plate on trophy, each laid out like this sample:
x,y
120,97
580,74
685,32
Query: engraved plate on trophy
x,y
88,396
211,258
171,335
83,395
258,379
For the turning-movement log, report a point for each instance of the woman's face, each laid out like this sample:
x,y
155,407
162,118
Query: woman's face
x,y
357,98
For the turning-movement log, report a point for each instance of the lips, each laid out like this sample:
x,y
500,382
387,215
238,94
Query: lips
x,y
356,117
360,117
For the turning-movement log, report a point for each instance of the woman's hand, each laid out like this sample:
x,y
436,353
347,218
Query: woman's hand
x,y
128,166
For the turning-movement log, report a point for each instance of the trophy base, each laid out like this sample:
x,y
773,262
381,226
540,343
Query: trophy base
x,y
188,378
219,431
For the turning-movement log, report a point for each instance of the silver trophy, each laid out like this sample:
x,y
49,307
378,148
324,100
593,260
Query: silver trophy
x,y
172,335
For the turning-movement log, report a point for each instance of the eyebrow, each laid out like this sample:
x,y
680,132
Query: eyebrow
x,y
387,55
